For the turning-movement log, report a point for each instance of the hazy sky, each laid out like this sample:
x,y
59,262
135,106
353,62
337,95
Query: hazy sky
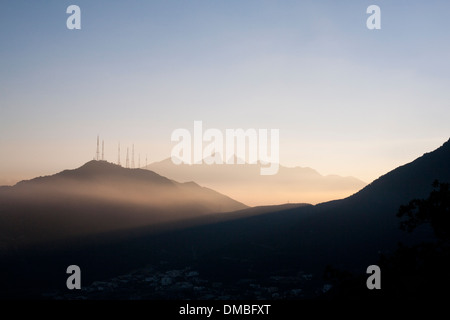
x,y
347,100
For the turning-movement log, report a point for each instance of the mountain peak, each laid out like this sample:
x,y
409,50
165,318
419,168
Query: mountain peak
x,y
99,165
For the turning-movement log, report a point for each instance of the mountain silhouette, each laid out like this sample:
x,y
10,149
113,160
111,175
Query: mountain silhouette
x,y
348,233
99,197
255,244
244,182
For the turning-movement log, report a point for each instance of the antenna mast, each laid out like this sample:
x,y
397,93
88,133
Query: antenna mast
x,y
128,160
132,157
98,150
118,156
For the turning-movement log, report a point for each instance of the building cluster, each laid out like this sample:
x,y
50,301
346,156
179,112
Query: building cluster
x,y
180,284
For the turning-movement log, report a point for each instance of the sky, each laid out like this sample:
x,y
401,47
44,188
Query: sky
x,y
346,100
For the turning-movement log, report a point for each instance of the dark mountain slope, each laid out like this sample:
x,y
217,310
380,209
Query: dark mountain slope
x,y
347,234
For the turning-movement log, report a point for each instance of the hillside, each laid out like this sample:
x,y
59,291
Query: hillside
x,y
99,197
256,245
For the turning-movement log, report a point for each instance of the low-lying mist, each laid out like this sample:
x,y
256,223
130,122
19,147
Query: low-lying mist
x,y
78,203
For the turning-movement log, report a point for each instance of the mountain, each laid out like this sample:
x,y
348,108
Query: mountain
x,y
347,234
100,197
245,183
274,247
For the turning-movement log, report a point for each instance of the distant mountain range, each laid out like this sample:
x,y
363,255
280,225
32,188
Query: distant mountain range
x,y
100,197
251,244
244,182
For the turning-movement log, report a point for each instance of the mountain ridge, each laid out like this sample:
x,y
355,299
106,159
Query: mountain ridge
x,y
100,197
244,182
348,234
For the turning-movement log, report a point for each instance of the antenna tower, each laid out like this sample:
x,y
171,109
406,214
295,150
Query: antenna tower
x,y
118,156
132,157
98,150
128,160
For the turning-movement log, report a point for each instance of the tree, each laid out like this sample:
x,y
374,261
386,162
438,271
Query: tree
x,y
420,271
434,210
